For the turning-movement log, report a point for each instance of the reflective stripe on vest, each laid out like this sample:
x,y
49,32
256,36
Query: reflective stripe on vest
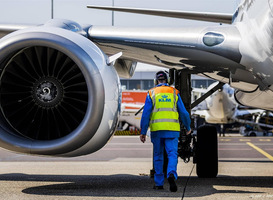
x,y
164,120
164,114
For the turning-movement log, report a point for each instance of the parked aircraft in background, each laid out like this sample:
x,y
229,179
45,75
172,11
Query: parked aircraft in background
x,y
222,109
60,90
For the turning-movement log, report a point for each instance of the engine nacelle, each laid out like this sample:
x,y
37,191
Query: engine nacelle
x,y
57,94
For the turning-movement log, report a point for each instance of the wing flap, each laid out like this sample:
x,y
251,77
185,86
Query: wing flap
x,y
201,16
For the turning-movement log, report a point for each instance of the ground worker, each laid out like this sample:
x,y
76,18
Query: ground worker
x,y
162,109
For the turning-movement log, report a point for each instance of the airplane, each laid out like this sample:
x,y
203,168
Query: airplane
x,y
218,108
222,109
60,90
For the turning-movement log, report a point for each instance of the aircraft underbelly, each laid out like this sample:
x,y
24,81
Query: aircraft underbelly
x,y
257,99
256,46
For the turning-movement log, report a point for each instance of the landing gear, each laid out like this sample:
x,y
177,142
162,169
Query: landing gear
x,y
203,146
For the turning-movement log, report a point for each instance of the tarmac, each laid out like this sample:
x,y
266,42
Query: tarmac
x,y
128,178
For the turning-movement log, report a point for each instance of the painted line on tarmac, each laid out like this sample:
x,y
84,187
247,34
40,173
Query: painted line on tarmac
x,y
225,140
261,151
223,149
265,140
244,140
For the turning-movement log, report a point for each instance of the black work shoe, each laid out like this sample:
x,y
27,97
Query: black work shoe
x,y
158,187
171,180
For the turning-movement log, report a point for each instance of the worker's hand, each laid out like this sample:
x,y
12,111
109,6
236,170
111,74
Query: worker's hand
x,y
142,138
188,132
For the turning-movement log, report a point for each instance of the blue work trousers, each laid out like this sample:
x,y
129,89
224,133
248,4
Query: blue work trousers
x,y
171,146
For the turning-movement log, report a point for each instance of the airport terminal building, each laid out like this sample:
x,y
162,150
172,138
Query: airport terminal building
x,y
143,79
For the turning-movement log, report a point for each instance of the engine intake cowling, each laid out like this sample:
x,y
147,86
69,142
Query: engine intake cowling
x,y
56,93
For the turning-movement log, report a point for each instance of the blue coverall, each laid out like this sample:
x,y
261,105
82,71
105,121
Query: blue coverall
x,y
161,139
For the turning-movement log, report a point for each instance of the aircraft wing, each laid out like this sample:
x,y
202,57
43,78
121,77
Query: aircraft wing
x,y
207,49
201,16
202,49
168,47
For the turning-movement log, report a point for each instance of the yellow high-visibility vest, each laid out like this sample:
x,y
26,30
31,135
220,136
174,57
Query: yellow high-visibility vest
x,y
164,115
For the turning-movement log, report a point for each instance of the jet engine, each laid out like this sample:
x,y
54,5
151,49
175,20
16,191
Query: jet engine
x,y
58,94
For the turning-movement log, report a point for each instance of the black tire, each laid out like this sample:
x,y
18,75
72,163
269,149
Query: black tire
x,y
207,152
252,134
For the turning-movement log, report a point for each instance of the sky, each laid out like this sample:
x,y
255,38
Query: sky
x,y
40,11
